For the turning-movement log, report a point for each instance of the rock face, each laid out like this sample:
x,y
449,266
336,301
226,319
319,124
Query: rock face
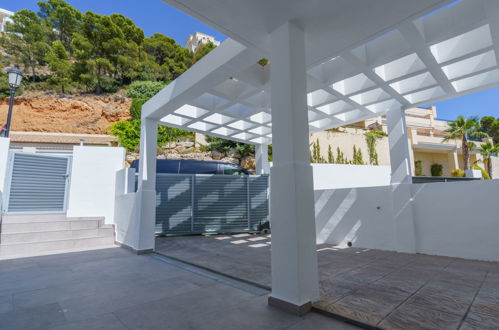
x,y
75,114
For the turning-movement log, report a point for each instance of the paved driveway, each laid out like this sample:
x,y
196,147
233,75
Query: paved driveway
x,y
377,288
115,289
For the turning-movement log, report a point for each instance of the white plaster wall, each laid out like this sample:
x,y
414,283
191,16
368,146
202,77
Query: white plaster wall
x,y
459,219
456,219
126,209
4,162
338,176
93,179
362,216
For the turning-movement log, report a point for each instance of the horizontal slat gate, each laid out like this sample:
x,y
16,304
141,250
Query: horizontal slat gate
x,y
193,204
38,183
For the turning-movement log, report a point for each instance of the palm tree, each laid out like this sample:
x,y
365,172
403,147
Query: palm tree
x,y
463,129
488,150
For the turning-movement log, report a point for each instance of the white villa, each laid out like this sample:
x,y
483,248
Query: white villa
x,y
4,18
196,40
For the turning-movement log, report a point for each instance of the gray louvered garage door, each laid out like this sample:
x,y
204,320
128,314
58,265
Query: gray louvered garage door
x,y
193,204
38,183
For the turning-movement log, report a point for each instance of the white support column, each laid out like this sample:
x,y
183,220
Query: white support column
x,y
262,159
400,154
146,192
294,256
401,180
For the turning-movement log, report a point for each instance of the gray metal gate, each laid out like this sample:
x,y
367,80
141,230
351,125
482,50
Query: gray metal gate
x,y
38,183
193,204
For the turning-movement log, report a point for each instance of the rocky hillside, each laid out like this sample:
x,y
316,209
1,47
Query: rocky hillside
x,y
66,114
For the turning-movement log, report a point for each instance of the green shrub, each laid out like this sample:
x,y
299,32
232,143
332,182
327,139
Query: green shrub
x,y
457,173
436,169
222,145
485,175
144,89
136,107
418,164
128,134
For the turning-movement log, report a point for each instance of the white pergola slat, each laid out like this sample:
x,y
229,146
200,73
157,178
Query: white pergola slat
x,y
441,55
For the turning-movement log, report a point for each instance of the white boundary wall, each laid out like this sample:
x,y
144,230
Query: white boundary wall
x,y
93,179
4,163
127,209
458,219
337,176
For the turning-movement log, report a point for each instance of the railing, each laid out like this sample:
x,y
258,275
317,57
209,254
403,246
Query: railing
x,y
434,179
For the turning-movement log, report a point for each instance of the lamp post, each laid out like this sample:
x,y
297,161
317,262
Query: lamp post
x,y
15,78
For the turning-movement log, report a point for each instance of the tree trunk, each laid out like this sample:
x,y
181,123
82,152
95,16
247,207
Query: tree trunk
x,y
466,154
489,166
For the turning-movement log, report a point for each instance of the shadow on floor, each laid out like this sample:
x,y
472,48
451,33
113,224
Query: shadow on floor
x,y
378,288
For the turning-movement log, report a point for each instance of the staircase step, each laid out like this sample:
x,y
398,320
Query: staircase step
x,y
46,236
26,249
29,227
33,218
21,218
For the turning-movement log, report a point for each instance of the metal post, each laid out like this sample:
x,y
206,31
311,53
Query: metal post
x,y
9,115
193,183
248,201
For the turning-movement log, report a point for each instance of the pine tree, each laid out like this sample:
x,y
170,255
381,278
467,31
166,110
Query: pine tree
x,y
58,61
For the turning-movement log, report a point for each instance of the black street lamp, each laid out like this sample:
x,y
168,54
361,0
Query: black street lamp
x,y
15,78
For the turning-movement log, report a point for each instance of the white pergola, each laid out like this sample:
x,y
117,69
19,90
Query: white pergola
x,y
331,63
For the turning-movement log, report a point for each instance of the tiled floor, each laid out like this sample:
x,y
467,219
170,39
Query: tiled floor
x,y
115,289
378,288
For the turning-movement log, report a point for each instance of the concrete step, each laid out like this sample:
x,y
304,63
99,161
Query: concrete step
x,y
27,249
30,227
24,218
46,236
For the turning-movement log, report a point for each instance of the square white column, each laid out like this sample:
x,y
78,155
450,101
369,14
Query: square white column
x,y
401,179
146,192
294,256
262,159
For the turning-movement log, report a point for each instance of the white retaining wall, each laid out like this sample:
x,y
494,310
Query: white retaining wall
x,y
127,209
92,184
456,219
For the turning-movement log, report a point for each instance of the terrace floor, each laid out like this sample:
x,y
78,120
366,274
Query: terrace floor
x,y
383,289
115,289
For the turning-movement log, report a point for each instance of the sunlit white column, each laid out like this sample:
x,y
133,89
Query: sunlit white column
x,y
294,255
262,159
401,179
146,192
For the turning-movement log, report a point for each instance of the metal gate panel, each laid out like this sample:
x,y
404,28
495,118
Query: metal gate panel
x,y
173,203
193,204
38,183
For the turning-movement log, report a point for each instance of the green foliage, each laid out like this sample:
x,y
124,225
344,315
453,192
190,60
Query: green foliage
x,y
263,62
464,129
330,155
340,157
372,137
144,89
436,169
485,175
105,52
128,133
136,107
203,50
418,164
357,156
224,146
316,155
58,61
488,150
457,173
490,125
28,40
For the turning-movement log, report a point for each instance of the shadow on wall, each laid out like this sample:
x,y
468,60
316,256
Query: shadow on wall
x,y
362,216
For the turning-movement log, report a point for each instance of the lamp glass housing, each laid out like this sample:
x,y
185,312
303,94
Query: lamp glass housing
x,y
15,77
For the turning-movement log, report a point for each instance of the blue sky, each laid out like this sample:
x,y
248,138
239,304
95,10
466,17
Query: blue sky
x,y
156,16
